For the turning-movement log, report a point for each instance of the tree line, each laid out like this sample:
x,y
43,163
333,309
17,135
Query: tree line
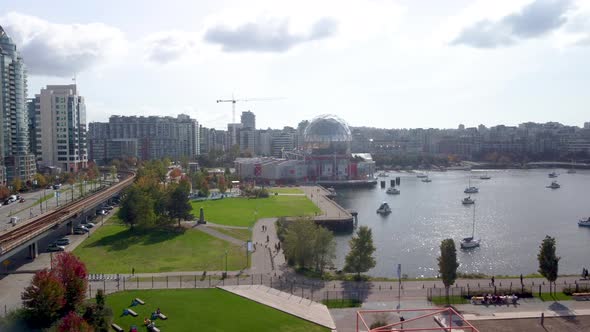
x,y
153,201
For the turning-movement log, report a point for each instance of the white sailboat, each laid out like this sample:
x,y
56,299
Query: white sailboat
x,y
485,176
470,242
471,189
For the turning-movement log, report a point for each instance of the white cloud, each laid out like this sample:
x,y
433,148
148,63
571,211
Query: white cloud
x,y
169,46
54,49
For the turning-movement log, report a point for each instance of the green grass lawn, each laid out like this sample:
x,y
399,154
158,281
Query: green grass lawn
x,y
204,310
240,234
558,296
114,248
442,300
240,211
285,190
342,303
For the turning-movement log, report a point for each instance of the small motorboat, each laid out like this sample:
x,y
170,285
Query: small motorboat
x,y
426,179
467,200
485,177
393,191
552,174
471,190
421,176
584,223
384,208
571,171
383,175
554,185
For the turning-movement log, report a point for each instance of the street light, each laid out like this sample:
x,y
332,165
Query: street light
x,y
225,263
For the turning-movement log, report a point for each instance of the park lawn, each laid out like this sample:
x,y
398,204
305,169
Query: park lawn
x,y
114,248
204,310
241,211
240,234
442,300
281,190
558,296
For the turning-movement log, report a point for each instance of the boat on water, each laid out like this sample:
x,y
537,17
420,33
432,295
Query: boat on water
x,y
421,176
468,200
572,170
485,177
426,179
393,191
553,174
470,242
384,208
471,189
584,223
383,175
554,185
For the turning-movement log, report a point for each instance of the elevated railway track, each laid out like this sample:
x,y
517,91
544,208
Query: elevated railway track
x,y
35,228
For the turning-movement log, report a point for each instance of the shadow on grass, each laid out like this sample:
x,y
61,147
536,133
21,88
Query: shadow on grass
x,y
122,240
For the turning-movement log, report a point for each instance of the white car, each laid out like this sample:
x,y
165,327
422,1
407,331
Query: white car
x,y
55,247
89,225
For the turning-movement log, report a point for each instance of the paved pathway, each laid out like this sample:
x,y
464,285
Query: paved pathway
x,y
224,226
309,310
266,259
330,209
211,231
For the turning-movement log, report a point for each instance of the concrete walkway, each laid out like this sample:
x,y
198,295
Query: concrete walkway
x,y
291,304
529,314
265,258
219,235
330,209
210,224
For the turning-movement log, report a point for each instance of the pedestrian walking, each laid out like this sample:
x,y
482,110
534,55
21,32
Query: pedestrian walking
x,y
521,279
133,271
493,280
267,239
542,318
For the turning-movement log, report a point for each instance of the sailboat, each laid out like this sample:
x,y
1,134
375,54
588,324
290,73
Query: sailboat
x,y
471,189
485,176
470,242
572,170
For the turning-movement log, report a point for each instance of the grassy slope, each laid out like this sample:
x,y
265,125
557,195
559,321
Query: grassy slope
x,y
205,310
240,211
115,249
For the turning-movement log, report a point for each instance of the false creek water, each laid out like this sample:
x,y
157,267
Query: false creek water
x,y
514,212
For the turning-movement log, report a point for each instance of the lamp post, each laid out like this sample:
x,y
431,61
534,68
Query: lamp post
x,y
225,263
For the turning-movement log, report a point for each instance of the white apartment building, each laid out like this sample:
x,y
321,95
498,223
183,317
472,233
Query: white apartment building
x,y
60,115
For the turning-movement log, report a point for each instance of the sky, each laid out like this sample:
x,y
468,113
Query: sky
x,y
379,63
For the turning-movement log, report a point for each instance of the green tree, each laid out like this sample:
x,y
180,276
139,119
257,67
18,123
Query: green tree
x,y
360,258
17,184
98,315
221,185
137,208
179,206
43,299
548,260
447,264
41,180
324,249
298,244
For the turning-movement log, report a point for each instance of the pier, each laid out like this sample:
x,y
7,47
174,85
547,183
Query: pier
x,y
333,217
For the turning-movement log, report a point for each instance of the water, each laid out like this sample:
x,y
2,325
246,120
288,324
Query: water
x,y
514,212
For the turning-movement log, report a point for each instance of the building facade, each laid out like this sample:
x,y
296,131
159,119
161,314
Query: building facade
x,y
60,122
15,156
145,138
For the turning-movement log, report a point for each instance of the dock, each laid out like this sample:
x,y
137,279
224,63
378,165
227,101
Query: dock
x,y
333,216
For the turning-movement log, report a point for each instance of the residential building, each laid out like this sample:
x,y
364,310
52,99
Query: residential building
x,y
146,138
61,135
15,157
233,135
248,120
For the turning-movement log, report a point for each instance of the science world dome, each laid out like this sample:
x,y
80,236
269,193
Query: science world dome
x,y
327,134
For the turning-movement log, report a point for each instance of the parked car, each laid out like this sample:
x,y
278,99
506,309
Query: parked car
x,y
107,207
83,228
79,231
89,225
55,247
64,241
56,186
22,200
101,212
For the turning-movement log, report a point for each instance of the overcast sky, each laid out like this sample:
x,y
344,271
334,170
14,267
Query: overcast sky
x,y
391,64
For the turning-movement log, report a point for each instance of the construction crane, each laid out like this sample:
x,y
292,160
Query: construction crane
x,y
233,102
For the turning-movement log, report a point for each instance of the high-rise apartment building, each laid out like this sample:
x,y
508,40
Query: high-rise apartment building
x,y
233,135
146,138
60,122
248,120
16,161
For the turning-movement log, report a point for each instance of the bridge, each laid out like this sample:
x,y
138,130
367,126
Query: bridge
x,y
29,233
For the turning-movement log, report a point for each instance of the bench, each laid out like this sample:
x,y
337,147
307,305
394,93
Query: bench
x,y
162,316
155,329
140,301
581,296
117,328
132,313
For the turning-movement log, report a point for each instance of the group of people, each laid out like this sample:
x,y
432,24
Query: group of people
x,y
584,273
497,299
150,322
